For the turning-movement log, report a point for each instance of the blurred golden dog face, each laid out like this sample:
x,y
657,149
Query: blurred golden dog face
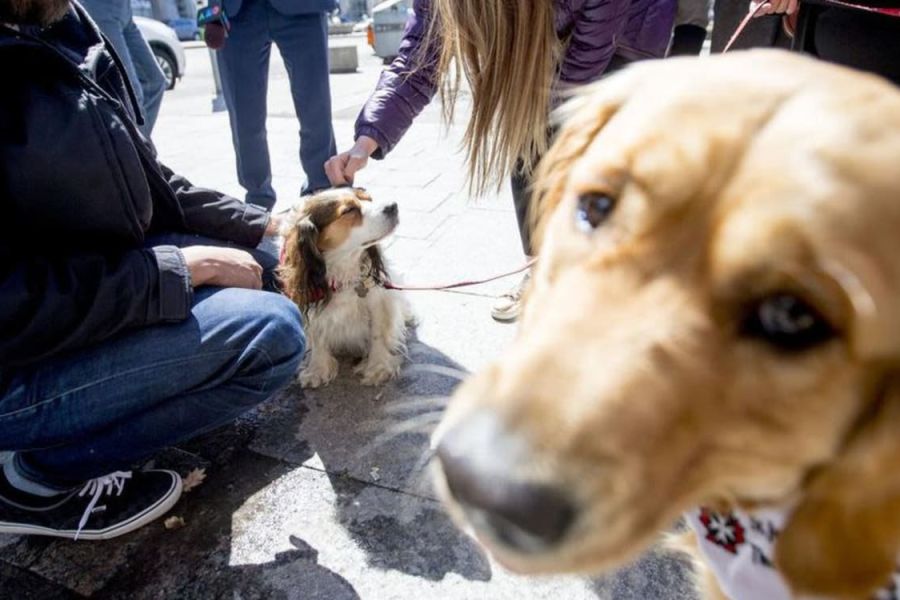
x,y
715,319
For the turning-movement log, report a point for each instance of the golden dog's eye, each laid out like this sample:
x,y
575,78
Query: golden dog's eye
x,y
787,322
592,209
349,210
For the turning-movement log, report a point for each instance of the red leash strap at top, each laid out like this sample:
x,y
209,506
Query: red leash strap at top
x,y
891,11
458,284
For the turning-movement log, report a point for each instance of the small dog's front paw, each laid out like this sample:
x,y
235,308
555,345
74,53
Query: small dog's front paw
x,y
379,371
319,374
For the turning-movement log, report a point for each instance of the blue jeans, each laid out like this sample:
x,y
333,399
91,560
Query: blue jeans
x,y
103,408
115,19
244,65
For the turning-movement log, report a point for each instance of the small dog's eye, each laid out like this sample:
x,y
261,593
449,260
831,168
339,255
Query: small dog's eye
x,y
592,209
350,210
788,323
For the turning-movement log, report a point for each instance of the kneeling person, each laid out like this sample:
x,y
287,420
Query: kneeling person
x,y
133,314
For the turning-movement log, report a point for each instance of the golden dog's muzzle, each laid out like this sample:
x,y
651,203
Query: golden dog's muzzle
x,y
477,457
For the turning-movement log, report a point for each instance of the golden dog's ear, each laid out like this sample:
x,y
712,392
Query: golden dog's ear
x,y
303,273
577,123
843,539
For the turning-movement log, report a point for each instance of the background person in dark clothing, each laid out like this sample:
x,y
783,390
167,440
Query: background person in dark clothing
x,y
867,40
863,39
131,314
300,29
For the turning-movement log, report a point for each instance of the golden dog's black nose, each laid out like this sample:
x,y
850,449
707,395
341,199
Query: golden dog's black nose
x,y
391,209
479,459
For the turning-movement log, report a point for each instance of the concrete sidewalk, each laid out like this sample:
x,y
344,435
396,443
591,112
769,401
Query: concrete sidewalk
x,y
307,498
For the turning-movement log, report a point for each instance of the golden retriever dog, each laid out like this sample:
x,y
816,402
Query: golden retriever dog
x,y
334,270
713,328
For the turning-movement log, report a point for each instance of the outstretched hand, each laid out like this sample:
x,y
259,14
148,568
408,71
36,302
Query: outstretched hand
x,y
342,168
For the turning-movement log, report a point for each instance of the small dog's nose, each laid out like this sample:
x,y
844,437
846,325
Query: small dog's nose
x,y
391,209
478,457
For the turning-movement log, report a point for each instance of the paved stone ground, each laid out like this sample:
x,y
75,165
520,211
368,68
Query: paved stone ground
x,y
308,498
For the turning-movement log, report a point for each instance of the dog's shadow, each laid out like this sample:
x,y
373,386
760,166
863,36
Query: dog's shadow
x,y
373,445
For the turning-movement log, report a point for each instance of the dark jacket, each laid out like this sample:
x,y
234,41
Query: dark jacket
x,y
595,29
80,190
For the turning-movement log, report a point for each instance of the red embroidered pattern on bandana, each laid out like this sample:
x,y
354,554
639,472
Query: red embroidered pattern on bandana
x,y
722,530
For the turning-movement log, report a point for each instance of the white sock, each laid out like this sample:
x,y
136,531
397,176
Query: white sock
x,y
18,481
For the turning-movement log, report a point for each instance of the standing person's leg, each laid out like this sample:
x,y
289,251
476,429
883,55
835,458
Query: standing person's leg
x,y
111,17
152,82
506,308
303,42
244,66
94,413
691,24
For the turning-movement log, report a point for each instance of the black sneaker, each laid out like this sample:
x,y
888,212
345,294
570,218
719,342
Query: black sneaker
x,y
102,509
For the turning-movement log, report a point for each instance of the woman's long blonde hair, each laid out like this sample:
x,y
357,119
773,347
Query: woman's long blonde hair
x,y
507,50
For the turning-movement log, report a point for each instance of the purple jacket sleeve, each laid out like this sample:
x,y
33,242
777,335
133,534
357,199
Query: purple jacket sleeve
x,y
596,29
404,89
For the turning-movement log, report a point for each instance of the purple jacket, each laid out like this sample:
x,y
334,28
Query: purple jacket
x,y
597,30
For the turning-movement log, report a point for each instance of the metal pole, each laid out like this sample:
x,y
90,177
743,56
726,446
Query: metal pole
x,y
218,103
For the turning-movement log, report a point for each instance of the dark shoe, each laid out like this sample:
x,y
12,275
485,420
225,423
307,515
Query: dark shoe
x,y
102,509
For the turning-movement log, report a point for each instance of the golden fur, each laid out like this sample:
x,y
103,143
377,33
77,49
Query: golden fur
x,y
638,379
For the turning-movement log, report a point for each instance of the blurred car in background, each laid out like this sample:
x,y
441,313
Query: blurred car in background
x,y
166,48
185,29
180,15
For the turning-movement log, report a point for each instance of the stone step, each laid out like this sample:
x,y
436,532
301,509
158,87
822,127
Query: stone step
x,y
343,59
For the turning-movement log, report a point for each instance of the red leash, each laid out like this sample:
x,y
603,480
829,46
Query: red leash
x,y
458,284
742,26
448,286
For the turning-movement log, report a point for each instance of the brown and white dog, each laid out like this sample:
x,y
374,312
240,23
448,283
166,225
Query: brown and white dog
x,y
714,321
333,268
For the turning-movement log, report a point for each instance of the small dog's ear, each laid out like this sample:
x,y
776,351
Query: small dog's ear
x,y
307,245
843,539
379,271
303,272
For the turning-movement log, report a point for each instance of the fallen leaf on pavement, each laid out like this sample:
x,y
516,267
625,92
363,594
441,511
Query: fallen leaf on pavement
x,y
193,479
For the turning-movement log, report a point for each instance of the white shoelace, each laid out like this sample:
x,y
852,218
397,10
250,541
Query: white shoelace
x,y
106,485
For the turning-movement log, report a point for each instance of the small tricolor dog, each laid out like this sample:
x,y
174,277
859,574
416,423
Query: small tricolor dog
x,y
333,268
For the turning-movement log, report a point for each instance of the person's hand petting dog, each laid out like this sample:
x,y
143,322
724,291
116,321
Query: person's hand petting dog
x,y
274,225
774,7
223,267
342,168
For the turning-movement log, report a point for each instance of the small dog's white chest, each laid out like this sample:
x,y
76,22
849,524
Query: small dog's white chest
x,y
344,324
